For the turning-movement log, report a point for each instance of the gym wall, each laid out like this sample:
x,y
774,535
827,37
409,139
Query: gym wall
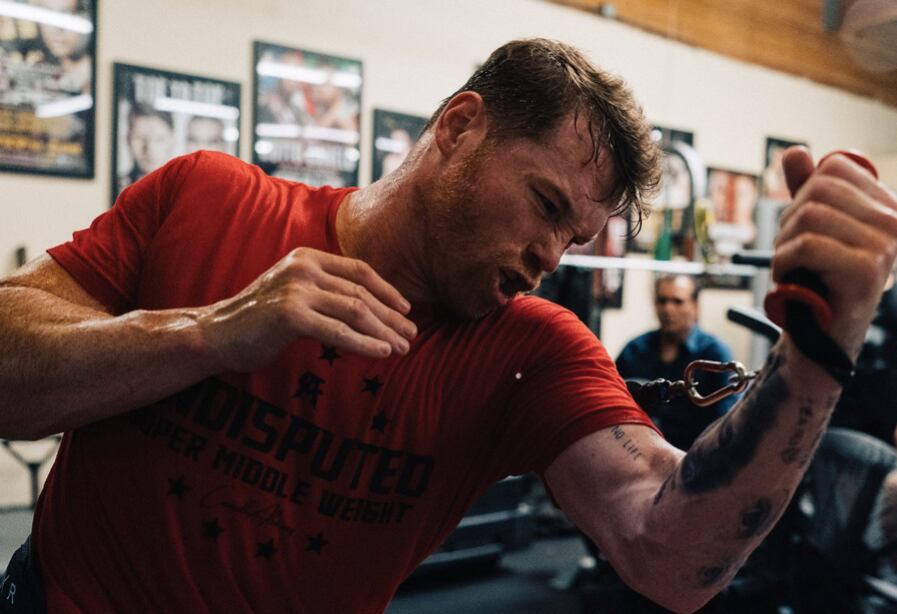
x,y
415,52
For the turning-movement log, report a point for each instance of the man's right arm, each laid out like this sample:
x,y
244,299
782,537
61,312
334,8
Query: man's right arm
x,y
67,362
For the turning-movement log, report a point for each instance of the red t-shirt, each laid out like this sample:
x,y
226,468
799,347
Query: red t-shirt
x,y
318,483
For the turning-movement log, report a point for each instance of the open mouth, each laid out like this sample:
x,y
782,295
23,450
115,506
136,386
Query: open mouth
x,y
511,283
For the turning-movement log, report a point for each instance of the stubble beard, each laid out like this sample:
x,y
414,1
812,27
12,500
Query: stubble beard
x,y
451,216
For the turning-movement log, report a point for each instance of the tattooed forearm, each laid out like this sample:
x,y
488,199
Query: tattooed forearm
x,y
792,449
628,445
717,575
758,517
730,444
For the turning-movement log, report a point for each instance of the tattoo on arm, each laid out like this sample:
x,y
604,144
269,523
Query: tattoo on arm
x,y
716,575
792,449
628,445
758,517
731,443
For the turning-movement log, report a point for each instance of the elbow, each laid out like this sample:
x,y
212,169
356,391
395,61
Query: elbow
x,y
660,573
20,422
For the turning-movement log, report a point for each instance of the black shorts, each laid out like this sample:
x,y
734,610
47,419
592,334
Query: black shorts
x,y
21,589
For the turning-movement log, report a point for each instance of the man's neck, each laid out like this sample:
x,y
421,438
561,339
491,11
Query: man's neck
x,y
670,343
376,224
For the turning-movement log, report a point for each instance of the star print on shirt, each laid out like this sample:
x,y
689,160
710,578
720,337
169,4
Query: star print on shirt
x,y
380,421
329,353
178,488
266,549
316,543
372,385
310,386
211,529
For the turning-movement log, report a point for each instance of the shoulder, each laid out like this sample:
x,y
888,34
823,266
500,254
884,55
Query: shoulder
x,y
530,312
707,343
640,343
547,327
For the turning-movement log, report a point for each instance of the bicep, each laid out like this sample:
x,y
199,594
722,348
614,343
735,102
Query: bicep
x,y
44,273
606,482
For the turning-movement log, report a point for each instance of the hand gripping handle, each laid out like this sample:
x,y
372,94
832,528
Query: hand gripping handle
x,y
801,290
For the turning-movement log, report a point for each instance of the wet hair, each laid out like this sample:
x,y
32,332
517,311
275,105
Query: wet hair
x,y
529,86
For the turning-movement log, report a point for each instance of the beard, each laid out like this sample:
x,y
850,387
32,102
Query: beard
x,y
460,273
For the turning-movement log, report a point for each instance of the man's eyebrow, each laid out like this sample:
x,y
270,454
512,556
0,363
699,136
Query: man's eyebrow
x,y
559,194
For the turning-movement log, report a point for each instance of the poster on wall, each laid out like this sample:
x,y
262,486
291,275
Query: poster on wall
x,y
394,135
667,231
772,180
607,284
47,86
158,115
307,115
724,221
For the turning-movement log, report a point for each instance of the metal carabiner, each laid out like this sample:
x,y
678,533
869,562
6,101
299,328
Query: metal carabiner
x,y
741,378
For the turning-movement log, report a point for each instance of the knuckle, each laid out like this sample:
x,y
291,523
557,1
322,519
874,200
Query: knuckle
x,y
340,332
357,308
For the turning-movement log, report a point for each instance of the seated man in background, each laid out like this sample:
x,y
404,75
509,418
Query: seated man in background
x,y
665,352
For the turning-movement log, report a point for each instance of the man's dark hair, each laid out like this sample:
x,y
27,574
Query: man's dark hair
x,y
529,86
670,278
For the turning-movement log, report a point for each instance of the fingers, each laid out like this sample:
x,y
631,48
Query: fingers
x,y
828,256
798,166
348,291
816,218
361,273
335,332
390,317
844,168
843,196
359,316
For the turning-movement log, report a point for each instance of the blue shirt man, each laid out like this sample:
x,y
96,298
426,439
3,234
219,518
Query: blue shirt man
x,y
665,352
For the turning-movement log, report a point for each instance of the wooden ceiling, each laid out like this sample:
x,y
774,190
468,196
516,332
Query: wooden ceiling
x,y
785,35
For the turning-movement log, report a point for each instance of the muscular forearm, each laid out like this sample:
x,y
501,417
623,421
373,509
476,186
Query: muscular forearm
x,y
64,365
727,492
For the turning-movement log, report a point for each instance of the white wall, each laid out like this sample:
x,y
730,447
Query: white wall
x,y
416,52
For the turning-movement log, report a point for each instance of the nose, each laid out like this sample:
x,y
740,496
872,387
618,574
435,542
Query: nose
x,y
546,256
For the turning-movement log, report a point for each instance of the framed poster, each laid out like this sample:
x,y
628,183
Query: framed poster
x,y
772,180
725,221
48,86
158,115
607,284
394,135
672,218
306,115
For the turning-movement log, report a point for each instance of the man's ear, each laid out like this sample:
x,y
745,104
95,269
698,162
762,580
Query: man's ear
x,y
461,124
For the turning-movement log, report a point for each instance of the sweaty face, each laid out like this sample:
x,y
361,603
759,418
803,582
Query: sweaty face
x,y
501,216
677,311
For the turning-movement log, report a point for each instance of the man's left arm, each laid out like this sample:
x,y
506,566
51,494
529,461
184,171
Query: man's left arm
x,y
676,526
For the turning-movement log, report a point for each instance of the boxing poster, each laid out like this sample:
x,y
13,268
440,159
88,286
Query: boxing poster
x,y
47,86
159,115
394,135
307,115
724,221
672,216
772,180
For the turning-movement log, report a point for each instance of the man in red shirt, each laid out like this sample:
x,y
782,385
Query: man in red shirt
x,y
281,398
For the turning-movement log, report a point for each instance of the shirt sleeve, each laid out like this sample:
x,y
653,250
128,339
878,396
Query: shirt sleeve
x,y
570,390
106,259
